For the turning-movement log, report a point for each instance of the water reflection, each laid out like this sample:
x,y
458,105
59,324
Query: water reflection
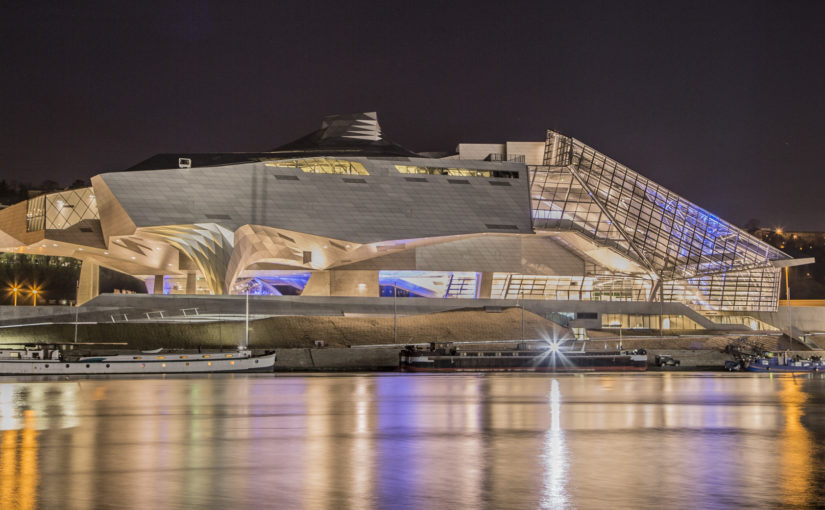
x,y
555,455
413,441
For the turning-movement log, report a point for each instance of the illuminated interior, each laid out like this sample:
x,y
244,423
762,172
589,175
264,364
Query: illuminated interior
x,y
323,166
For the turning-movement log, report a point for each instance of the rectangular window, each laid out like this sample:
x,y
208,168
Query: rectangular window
x,y
36,213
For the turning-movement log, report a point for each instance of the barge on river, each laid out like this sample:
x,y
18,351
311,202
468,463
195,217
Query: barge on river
x,y
447,358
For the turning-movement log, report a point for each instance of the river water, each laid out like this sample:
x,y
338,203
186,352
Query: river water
x,y
363,441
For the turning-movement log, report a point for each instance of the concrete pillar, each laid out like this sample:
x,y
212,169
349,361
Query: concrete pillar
x,y
158,286
191,282
89,285
342,283
318,284
485,286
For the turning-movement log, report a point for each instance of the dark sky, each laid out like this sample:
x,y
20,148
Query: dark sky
x,y
723,102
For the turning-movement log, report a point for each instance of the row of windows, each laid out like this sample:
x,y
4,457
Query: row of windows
x,y
456,172
346,167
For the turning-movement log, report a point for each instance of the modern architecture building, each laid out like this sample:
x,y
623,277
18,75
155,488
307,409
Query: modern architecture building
x,y
345,212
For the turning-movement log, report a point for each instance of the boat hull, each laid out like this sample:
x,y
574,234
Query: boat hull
x,y
519,362
103,366
784,369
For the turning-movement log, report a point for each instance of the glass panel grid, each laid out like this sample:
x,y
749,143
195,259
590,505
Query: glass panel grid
x,y
70,207
703,260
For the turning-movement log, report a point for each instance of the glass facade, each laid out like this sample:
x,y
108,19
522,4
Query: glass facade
x,y
59,211
696,257
651,322
576,288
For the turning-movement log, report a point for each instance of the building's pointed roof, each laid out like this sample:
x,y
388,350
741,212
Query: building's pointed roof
x,y
354,134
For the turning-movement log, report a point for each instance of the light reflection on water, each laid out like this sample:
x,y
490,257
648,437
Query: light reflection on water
x,y
359,441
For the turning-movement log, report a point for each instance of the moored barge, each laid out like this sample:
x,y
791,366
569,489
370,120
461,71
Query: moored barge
x,y
447,358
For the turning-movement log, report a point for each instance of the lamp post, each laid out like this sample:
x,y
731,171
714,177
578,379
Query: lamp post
x,y
788,299
15,290
34,296
394,312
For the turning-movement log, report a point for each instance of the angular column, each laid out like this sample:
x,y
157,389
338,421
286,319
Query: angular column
x,y
158,285
342,283
318,284
89,285
191,282
485,286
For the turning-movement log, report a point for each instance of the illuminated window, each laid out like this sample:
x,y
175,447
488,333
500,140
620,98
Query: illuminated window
x,y
459,172
323,166
58,211
35,213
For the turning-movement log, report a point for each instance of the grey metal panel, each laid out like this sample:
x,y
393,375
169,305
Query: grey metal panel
x,y
385,206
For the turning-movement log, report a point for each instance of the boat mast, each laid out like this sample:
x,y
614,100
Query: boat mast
x,y
76,311
246,322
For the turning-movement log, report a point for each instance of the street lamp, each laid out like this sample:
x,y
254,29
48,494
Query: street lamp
x,y
34,295
15,289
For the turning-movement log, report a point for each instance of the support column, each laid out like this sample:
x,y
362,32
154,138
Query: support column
x,y
191,282
158,286
318,284
342,283
89,285
485,286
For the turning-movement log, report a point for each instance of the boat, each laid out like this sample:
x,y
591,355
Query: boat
x,y
549,358
786,364
49,360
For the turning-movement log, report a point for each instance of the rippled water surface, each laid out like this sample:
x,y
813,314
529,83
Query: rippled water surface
x,y
675,440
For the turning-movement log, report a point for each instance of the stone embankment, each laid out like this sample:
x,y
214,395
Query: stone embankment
x,y
358,342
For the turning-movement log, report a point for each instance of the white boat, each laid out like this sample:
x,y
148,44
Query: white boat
x,y
48,360
43,360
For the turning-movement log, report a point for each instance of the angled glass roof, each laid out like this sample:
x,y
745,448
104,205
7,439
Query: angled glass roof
x,y
697,256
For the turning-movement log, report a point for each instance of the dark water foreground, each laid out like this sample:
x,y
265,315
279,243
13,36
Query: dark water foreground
x,y
414,441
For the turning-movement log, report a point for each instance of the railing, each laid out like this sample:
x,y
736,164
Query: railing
x,y
515,158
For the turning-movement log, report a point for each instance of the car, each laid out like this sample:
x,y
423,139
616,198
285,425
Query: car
x,y
666,360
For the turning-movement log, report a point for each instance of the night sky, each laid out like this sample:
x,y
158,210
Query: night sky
x,y
722,102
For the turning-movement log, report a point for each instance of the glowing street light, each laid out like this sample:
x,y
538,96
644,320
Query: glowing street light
x,y
15,289
34,291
